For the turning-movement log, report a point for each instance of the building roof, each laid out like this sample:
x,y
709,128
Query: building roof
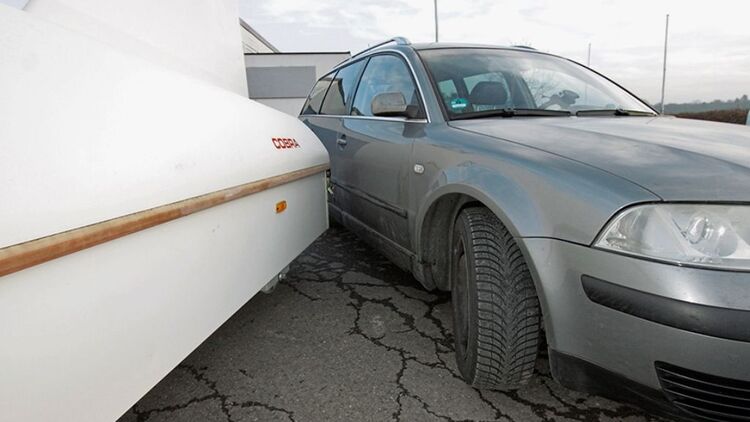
x,y
260,38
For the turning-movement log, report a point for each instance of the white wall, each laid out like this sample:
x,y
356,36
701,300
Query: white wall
x,y
322,63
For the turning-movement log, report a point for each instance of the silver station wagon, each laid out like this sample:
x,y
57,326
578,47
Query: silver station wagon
x,y
553,204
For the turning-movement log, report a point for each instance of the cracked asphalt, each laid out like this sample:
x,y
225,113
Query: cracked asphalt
x,y
349,337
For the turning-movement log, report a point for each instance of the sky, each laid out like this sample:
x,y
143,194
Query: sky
x,y
15,3
709,42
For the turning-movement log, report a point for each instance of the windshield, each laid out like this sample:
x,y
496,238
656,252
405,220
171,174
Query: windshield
x,y
475,81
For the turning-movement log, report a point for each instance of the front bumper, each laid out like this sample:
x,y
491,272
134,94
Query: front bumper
x,y
628,316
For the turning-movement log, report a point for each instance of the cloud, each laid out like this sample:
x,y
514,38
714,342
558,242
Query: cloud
x,y
708,54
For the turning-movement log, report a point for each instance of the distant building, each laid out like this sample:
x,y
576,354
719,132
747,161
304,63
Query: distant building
x,y
282,80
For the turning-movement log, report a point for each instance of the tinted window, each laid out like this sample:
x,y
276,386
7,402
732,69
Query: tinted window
x,y
313,102
384,73
341,89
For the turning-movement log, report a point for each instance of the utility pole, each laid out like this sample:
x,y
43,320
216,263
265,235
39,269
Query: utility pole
x,y
436,22
588,60
664,71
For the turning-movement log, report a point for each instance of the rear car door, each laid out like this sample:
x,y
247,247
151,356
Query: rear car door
x,y
326,106
325,129
375,153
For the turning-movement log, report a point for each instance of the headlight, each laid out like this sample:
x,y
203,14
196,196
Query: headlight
x,y
716,236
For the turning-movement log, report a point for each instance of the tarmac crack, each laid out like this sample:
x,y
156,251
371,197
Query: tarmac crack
x,y
296,289
142,416
268,407
357,302
201,377
225,403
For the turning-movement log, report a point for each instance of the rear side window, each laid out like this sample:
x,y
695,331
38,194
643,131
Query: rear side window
x,y
385,73
313,102
341,89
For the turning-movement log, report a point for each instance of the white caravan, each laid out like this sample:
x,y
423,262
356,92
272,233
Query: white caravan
x,y
143,197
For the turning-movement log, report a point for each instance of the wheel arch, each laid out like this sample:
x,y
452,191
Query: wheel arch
x,y
434,223
440,212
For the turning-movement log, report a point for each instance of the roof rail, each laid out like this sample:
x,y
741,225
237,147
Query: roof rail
x,y
525,47
397,40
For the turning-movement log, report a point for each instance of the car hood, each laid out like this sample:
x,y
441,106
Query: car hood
x,y
677,159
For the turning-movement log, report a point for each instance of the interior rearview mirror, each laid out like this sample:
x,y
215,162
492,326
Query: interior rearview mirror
x,y
392,104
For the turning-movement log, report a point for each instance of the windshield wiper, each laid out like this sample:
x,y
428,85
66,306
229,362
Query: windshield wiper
x,y
512,112
614,112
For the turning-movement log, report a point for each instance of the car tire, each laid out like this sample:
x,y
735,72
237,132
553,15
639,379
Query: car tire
x,y
496,313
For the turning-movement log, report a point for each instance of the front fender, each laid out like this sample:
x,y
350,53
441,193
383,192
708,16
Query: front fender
x,y
533,198
483,186
555,198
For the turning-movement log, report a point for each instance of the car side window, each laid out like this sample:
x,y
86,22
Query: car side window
x,y
384,73
315,99
341,89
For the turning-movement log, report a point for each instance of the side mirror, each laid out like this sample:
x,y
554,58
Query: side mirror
x,y
392,104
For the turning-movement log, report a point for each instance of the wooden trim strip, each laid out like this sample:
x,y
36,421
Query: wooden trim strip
x,y
28,254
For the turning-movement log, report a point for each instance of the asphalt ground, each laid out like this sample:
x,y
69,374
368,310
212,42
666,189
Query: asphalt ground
x,y
349,337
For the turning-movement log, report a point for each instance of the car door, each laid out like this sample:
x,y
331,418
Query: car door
x,y
375,153
326,106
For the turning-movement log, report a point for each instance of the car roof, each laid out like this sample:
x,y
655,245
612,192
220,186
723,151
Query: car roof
x,y
403,44
438,46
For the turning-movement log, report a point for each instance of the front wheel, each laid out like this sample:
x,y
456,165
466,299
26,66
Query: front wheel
x,y
496,314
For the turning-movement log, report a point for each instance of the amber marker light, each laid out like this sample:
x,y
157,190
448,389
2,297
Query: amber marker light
x,y
280,207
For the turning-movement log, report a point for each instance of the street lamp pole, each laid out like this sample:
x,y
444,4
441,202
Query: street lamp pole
x,y
664,71
436,21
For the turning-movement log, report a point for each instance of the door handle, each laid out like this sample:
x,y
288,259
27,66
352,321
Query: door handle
x,y
341,142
